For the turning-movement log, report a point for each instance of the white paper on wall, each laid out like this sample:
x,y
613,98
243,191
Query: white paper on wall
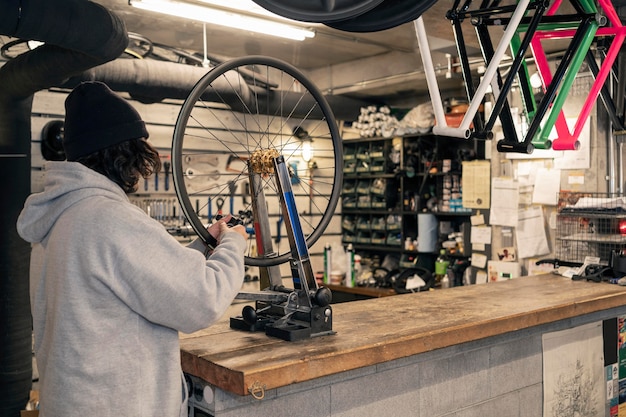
x,y
547,186
504,202
530,234
481,235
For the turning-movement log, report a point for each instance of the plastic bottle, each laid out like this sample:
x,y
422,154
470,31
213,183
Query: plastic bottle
x,y
441,266
350,266
358,270
328,263
445,281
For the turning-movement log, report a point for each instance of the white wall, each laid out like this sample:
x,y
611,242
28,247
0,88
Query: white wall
x,y
160,119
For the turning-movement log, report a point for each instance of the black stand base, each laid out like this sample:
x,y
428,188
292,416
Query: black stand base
x,y
301,325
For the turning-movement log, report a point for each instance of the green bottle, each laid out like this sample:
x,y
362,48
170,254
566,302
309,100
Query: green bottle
x,y
328,262
441,266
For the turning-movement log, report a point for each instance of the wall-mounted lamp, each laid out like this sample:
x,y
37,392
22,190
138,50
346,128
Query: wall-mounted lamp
x,y
224,17
535,80
307,151
307,141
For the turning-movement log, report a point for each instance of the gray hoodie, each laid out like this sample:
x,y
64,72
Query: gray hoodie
x,y
110,289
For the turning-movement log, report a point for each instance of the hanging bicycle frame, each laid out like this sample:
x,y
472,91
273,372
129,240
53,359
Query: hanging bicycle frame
x,y
567,139
582,27
489,79
557,90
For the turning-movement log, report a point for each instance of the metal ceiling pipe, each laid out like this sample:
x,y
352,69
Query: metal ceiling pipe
x,y
150,81
72,46
15,318
71,43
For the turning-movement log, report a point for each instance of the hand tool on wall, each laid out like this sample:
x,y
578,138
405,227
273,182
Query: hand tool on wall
x,y
156,181
212,160
312,167
166,169
279,223
219,202
231,160
232,187
293,171
192,172
245,193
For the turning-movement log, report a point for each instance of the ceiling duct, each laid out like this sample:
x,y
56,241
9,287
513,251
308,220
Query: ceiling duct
x,y
151,81
71,43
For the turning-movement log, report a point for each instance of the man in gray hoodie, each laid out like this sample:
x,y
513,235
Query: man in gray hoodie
x,y
110,288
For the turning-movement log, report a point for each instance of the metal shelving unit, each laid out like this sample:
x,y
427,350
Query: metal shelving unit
x,y
388,182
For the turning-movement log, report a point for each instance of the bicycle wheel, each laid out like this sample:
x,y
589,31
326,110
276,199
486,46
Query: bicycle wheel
x,y
242,110
319,12
386,15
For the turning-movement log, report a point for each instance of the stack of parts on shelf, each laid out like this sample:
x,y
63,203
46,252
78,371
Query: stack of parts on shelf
x,y
376,122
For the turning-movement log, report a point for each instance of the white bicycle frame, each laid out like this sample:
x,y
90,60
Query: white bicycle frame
x,y
489,78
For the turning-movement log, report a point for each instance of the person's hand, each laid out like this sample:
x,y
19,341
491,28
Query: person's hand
x,y
221,226
238,228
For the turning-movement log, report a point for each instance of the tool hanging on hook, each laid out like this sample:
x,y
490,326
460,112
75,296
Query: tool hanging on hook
x,y
232,187
279,224
245,193
166,169
219,202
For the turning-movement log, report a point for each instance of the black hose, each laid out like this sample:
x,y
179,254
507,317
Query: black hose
x,y
72,46
15,318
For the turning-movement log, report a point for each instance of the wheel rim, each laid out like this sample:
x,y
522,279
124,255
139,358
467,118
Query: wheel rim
x,y
238,108
318,11
386,15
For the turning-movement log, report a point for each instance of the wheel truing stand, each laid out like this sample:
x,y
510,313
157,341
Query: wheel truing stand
x,y
290,314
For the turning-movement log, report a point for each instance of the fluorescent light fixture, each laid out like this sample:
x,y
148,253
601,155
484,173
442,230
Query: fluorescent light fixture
x,y
224,18
246,6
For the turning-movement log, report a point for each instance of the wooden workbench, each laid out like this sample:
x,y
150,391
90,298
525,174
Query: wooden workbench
x,y
374,331
341,293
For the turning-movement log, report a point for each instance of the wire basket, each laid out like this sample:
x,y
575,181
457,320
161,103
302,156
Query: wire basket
x,y
590,224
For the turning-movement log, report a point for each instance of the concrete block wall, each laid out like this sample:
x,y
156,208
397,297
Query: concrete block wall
x,y
491,381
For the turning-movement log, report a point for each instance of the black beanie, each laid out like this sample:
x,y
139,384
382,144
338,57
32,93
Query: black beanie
x,y
96,118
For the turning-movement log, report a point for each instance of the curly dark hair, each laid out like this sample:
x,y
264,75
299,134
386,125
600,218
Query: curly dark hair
x,y
125,163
